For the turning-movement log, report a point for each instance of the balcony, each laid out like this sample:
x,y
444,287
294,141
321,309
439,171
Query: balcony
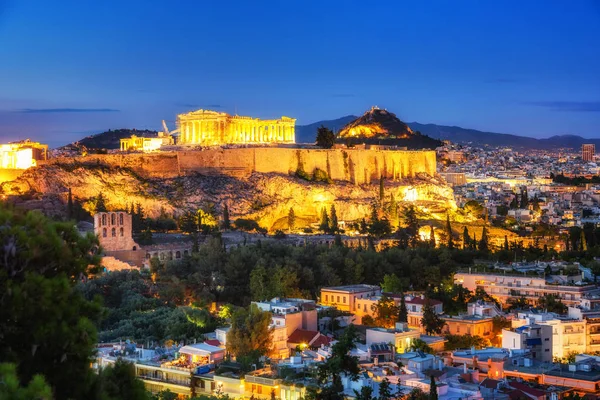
x,y
261,380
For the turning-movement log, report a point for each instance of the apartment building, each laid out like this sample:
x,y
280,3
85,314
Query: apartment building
x,y
344,297
506,287
535,338
288,315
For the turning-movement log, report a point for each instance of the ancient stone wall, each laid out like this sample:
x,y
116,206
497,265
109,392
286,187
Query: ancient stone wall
x,y
356,166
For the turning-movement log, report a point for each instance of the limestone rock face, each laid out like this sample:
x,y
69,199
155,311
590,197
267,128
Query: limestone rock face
x,y
265,197
376,123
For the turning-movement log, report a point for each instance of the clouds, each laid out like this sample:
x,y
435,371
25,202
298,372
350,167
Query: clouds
x,y
568,106
65,110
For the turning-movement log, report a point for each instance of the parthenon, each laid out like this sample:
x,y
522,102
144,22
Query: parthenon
x,y
206,127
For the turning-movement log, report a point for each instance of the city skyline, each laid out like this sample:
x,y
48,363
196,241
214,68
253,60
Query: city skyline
x,y
510,68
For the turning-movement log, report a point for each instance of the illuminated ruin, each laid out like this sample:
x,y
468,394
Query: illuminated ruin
x,y
22,155
209,128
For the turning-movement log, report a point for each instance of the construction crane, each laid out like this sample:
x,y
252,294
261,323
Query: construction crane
x,y
166,131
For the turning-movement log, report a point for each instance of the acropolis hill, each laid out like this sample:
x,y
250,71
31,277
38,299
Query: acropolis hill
x,y
261,181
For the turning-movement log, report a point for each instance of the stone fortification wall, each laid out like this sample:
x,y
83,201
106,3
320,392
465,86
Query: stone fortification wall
x,y
356,166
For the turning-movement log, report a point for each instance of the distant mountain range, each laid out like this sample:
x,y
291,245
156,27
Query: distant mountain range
x,y
456,134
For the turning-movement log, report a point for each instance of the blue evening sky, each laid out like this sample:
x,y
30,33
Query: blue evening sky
x,y
69,68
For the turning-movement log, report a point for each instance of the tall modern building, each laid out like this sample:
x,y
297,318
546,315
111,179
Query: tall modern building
x,y
588,151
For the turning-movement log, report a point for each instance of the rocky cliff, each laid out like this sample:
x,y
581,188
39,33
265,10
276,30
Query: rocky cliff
x,y
266,197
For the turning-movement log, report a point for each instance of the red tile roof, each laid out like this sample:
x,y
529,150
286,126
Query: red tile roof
x,y
322,339
527,389
213,342
302,336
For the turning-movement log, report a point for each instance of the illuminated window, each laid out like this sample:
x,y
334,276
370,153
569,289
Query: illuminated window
x,y
113,232
338,299
326,298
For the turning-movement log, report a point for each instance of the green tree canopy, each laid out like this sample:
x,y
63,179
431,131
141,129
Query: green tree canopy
x,y
250,336
48,327
325,137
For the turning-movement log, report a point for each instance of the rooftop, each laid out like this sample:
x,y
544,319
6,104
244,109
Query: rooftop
x,y
352,288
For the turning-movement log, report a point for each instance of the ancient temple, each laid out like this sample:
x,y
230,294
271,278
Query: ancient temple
x,y
209,128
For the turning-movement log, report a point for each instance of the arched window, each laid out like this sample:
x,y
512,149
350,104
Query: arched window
x,y
121,219
178,254
113,219
121,232
103,219
103,231
185,252
113,232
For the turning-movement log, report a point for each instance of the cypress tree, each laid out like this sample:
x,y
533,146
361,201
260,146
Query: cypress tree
x,y
402,310
324,220
505,242
466,238
449,232
582,242
291,219
432,237
333,220
70,205
100,203
381,189
433,395
483,243
226,222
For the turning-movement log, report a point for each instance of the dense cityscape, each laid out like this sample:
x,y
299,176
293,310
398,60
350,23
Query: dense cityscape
x,y
204,254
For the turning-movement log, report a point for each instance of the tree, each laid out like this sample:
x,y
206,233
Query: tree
x,y
402,310
119,382
385,390
325,137
420,345
432,322
381,189
226,223
391,284
417,394
386,312
70,211
466,238
333,225
552,303
524,198
340,362
433,394
432,237
449,233
100,203
454,342
483,243
366,393
473,208
325,225
11,388
250,336
506,242
411,222
582,242
47,327
291,219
